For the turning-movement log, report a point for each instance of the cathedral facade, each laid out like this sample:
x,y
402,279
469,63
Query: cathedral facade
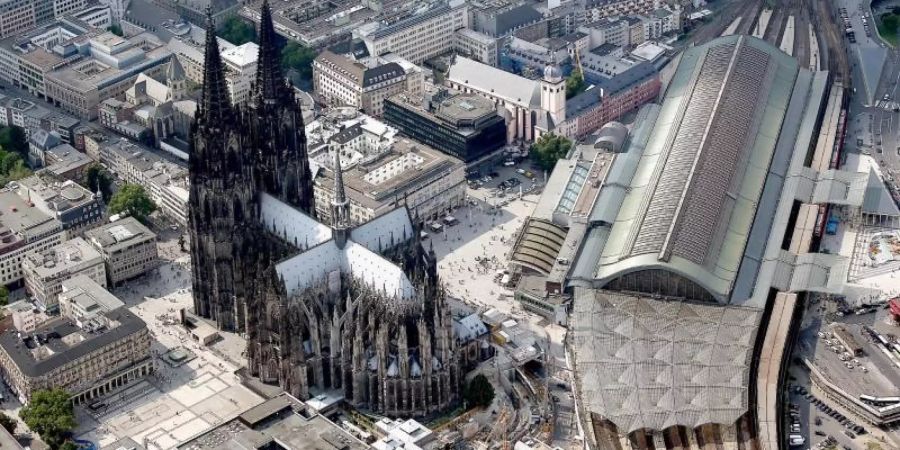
x,y
323,306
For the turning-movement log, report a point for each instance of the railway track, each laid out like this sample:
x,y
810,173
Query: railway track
x,y
836,54
775,30
750,18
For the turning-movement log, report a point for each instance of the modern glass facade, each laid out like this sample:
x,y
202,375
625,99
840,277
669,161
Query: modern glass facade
x,y
467,144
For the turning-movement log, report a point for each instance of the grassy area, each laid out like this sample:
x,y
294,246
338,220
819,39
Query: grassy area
x,y
443,419
888,27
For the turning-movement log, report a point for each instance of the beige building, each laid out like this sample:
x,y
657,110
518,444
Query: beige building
x,y
477,46
23,230
128,249
17,16
364,85
420,37
45,272
26,317
112,69
165,181
240,66
381,169
96,347
83,300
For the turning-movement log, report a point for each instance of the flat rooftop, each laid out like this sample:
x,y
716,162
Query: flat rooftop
x,y
59,341
460,110
20,217
282,419
118,235
89,295
62,257
429,163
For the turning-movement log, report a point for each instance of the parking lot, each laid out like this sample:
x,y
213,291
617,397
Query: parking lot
x,y
818,418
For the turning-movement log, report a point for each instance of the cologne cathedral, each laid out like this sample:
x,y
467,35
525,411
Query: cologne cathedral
x,y
324,307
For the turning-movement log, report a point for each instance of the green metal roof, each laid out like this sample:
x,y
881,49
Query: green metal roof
x,y
692,201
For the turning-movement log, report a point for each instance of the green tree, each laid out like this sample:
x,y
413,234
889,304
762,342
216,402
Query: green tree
x,y
549,149
96,178
51,415
891,23
12,167
479,392
575,84
133,200
68,445
12,139
237,31
8,422
4,300
116,30
298,57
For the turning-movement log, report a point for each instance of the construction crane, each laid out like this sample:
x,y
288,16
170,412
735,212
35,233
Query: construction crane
x,y
578,63
500,428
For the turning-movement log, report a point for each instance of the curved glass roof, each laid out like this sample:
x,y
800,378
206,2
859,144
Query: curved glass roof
x,y
692,201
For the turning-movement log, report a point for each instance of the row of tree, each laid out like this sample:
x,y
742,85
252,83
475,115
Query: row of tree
x,y
51,415
548,149
294,56
130,199
13,155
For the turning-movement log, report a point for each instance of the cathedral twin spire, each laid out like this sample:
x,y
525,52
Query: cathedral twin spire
x,y
215,107
270,84
269,77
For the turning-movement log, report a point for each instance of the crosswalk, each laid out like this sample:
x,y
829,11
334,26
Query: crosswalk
x,y
888,105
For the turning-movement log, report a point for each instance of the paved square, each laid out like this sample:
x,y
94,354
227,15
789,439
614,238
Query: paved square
x,y
175,403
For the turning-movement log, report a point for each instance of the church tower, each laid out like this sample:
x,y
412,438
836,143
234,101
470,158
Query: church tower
x,y
220,196
176,80
340,206
283,165
553,93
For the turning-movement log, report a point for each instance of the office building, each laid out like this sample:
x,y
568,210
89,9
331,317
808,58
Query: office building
x,y
166,182
477,46
382,168
26,316
660,22
94,348
17,16
45,272
23,230
341,81
419,37
77,208
500,18
240,66
108,71
96,16
538,53
465,126
83,300
280,422
128,248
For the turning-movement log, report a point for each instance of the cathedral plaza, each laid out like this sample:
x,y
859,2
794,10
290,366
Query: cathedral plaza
x,y
189,397
183,398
